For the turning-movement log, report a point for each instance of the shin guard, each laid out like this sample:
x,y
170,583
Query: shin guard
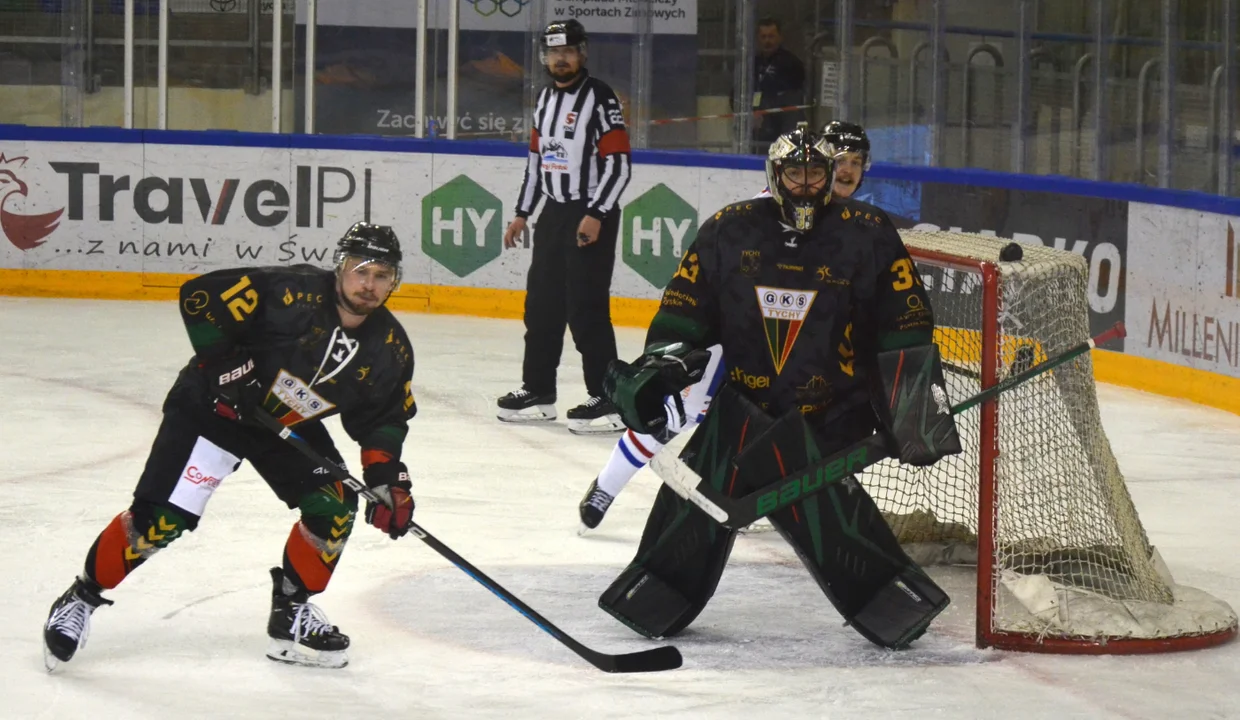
x,y
316,541
130,539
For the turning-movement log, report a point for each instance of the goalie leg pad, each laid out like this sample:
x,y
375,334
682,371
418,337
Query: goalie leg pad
x,y
646,604
840,535
848,548
901,610
679,561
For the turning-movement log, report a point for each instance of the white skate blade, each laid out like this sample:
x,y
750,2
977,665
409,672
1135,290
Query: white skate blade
x,y
606,425
532,414
288,652
50,661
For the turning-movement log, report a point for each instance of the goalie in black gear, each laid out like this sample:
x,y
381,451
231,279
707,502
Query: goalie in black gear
x,y
827,335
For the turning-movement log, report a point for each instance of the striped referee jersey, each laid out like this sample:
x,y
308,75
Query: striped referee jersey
x,y
579,148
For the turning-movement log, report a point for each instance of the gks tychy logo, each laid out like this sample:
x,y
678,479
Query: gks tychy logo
x,y
25,231
783,314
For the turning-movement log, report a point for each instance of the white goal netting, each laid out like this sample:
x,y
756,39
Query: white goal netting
x,y
1070,559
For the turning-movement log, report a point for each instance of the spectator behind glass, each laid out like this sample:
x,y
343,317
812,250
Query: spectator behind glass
x,y
779,80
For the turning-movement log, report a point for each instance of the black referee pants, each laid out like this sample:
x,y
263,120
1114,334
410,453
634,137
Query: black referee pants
x,y
569,285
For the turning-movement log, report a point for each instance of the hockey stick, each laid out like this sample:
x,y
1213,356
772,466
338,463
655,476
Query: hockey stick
x,y
666,657
736,513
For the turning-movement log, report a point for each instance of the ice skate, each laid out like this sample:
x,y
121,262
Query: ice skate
x,y
523,406
300,633
596,416
68,623
593,507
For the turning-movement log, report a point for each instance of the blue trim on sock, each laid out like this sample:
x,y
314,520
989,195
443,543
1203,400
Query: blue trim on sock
x,y
629,456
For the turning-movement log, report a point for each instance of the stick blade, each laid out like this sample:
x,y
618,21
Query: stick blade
x,y
657,659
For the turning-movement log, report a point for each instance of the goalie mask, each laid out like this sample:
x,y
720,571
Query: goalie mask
x,y
799,170
557,38
364,249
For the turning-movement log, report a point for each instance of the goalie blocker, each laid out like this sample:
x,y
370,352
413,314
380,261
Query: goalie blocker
x,y
838,534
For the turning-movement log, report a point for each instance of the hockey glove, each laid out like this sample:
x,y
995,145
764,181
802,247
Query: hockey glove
x,y
913,406
390,482
233,385
647,392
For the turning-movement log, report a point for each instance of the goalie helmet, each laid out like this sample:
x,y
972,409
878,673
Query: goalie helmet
x,y
797,161
371,243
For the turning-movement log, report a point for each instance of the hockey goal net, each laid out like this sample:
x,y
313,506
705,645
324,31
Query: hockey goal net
x,y
1036,500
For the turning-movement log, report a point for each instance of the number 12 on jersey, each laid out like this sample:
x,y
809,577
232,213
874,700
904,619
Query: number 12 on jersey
x,y
243,305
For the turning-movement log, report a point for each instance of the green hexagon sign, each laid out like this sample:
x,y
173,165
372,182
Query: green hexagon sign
x,y
657,227
461,226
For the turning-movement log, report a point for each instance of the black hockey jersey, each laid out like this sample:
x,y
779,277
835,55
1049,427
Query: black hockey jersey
x,y
800,316
312,368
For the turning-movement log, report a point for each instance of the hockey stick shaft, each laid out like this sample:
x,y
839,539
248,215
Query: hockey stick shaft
x,y
736,513
665,657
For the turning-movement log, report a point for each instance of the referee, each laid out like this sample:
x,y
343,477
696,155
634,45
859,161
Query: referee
x,y
579,161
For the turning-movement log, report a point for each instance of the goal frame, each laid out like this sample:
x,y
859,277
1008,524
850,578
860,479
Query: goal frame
x,y
990,277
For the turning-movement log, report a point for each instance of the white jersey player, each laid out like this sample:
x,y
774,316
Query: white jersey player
x,y
634,451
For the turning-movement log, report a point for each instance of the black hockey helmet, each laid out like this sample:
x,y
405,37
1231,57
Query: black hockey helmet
x,y
845,137
562,33
808,152
848,137
373,243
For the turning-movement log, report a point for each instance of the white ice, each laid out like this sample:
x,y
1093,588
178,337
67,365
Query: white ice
x,y
81,384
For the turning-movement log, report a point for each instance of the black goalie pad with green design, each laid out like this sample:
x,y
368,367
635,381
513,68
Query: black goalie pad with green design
x,y
913,406
683,551
838,533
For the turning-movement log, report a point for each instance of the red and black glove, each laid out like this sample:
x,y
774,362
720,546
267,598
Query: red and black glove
x,y
390,482
234,387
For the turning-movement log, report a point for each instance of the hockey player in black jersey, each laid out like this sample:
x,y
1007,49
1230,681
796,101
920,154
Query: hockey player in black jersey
x,y
827,337
302,344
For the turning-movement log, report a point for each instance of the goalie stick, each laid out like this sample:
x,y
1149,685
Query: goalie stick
x,y
736,513
666,657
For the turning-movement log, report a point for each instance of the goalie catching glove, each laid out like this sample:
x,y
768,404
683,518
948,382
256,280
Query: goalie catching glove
x,y
913,407
646,392
390,482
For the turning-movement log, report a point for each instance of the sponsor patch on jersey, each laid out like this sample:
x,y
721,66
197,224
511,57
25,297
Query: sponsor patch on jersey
x,y
207,466
554,156
297,400
783,314
570,121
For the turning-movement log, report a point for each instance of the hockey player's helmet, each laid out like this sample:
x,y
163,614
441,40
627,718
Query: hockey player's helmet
x,y
371,243
798,161
846,137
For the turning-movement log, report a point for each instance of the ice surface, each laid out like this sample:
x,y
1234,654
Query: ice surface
x,y
82,382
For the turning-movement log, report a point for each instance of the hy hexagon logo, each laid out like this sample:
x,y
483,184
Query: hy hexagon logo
x,y
461,226
658,226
